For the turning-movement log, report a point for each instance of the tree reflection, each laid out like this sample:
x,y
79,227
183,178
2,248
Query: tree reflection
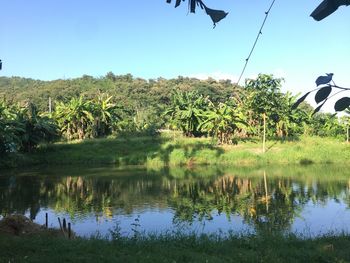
x,y
266,202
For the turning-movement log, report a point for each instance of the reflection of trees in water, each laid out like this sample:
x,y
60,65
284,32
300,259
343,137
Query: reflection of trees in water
x,y
268,205
23,194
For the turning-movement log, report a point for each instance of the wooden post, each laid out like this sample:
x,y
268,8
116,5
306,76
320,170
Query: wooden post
x,y
347,134
264,135
64,224
69,231
50,105
46,220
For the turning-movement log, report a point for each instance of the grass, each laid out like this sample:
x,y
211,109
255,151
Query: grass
x,y
165,150
176,248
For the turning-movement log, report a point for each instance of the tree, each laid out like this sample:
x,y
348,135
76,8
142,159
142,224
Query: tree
x,y
36,128
221,121
75,118
345,122
10,128
186,111
104,113
23,128
264,97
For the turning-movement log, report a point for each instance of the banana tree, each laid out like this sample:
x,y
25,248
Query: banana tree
x,y
36,128
105,114
186,111
75,118
10,128
222,121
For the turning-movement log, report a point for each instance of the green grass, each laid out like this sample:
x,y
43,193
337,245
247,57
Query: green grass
x,y
165,150
176,248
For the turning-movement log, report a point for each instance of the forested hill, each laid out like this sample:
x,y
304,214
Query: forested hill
x,y
128,91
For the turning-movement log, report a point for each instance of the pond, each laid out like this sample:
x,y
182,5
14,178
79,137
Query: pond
x,y
311,200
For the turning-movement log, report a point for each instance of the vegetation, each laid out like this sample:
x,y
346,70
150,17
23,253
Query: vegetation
x,y
216,110
177,248
164,150
23,128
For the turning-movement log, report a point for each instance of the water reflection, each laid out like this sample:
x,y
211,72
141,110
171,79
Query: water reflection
x,y
202,199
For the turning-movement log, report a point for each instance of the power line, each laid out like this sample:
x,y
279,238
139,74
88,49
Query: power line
x,y
256,41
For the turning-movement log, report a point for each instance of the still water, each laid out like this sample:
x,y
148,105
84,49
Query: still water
x,y
311,200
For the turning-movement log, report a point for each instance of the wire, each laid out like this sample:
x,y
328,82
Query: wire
x,y
256,41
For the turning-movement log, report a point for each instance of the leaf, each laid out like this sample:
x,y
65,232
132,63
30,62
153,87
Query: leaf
x,y
215,15
321,80
300,100
178,2
342,104
192,6
318,109
323,93
325,9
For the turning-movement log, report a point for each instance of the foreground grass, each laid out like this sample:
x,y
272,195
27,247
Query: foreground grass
x,y
168,151
176,248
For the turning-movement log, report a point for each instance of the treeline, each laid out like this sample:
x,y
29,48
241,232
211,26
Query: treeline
x,y
90,107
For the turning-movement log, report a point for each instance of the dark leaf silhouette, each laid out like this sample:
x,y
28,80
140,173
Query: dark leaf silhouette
x,y
327,7
318,108
322,94
321,80
215,15
178,2
0,64
342,104
300,100
193,6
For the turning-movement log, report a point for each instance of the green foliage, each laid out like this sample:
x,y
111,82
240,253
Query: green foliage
x,y
82,108
81,119
172,247
186,111
37,128
222,121
23,128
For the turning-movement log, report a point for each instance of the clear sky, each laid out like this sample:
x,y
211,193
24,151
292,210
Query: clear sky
x,y
50,39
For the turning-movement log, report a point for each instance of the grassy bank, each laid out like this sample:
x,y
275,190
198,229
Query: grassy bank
x,y
176,248
166,150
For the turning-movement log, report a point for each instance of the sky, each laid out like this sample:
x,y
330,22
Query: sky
x,y
58,39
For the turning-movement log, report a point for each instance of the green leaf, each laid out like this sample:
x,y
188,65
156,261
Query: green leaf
x,y
323,93
342,104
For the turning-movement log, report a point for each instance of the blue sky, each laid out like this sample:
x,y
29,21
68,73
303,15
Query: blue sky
x,y
64,39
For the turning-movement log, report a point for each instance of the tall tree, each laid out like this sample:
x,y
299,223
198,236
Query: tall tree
x,y
264,97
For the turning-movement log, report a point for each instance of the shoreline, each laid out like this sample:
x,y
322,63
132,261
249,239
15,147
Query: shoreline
x,y
162,151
